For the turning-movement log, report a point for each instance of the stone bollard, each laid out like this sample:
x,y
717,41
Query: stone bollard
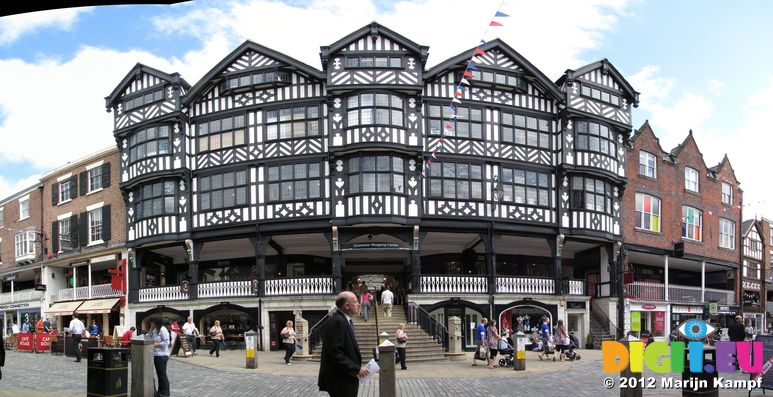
x,y
455,352
302,337
520,352
387,386
251,349
142,367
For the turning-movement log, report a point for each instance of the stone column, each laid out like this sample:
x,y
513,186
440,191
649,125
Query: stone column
x,y
302,334
455,351
142,367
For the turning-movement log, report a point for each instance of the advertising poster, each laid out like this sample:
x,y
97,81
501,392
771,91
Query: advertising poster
x,y
636,321
25,342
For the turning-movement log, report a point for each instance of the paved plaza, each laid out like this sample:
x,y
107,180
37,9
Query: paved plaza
x,y
43,375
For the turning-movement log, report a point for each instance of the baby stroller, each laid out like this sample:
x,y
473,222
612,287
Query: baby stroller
x,y
570,354
507,351
548,350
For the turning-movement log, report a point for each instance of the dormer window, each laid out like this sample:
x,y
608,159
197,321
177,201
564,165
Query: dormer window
x,y
499,79
374,62
600,95
143,99
256,79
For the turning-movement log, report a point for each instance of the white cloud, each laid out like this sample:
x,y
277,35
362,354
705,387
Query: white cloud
x,y
447,26
715,86
46,103
651,86
9,187
14,26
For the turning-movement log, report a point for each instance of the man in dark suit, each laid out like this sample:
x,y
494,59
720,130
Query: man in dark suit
x,y
736,331
340,364
2,352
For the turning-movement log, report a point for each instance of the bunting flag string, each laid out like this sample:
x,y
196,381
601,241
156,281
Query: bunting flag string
x,y
461,88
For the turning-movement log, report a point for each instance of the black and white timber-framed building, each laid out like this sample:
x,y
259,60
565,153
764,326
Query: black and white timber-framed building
x,y
307,180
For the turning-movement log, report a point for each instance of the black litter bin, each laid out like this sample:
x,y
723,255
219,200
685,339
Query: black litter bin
x,y
700,379
108,372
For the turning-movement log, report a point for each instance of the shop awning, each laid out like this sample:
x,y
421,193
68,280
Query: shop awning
x,y
97,306
63,308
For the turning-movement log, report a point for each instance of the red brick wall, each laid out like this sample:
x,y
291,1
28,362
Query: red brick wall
x,y
669,187
12,225
110,195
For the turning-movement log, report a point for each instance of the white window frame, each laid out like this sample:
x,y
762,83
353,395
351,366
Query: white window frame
x,y
64,231
93,214
727,197
726,240
24,246
700,224
22,202
62,199
689,182
91,175
640,199
645,158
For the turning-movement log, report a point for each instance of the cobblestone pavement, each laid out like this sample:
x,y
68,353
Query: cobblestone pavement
x,y
43,375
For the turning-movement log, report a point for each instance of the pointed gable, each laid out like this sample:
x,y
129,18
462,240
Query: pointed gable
x,y
499,55
373,37
140,78
604,74
249,56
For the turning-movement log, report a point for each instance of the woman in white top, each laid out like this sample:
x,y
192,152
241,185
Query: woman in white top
x,y
288,340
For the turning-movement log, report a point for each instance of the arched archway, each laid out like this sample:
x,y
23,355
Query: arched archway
x,y
525,315
164,313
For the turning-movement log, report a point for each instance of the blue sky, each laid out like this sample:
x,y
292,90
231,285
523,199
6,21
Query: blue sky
x,y
698,64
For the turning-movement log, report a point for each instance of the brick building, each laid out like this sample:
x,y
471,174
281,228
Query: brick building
x,y
681,228
85,229
21,252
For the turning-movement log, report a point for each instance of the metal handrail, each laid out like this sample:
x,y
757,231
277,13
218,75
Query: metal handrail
x,y
598,311
417,315
316,331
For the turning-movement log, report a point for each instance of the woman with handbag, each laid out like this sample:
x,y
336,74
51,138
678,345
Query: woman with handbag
x,y
492,342
402,340
216,333
288,340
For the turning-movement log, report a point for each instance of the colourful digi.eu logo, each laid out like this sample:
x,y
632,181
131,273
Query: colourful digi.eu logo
x,y
665,357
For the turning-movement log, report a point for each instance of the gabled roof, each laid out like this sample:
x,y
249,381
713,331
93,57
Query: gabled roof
x,y
678,149
204,82
462,58
136,72
372,29
607,68
725,161
646,127
747,225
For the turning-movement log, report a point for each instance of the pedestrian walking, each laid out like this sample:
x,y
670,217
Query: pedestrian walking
x,y
191,332
365,300
736,331
76,330
339,370
480,340
561,340
288,340
402,340
161,345
545,334
216,333
174,330
387,297
492,342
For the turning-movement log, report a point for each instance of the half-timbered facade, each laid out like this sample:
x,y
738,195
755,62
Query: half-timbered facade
x,y
269,185
753,272
682,234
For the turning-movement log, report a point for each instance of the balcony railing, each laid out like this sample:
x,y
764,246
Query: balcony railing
x,y
170,293
677,293
454,284
24,295
97,291
220,289
299,286
526,285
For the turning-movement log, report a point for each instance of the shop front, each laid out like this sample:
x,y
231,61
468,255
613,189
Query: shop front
x,y
650,319
21,313
682,313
